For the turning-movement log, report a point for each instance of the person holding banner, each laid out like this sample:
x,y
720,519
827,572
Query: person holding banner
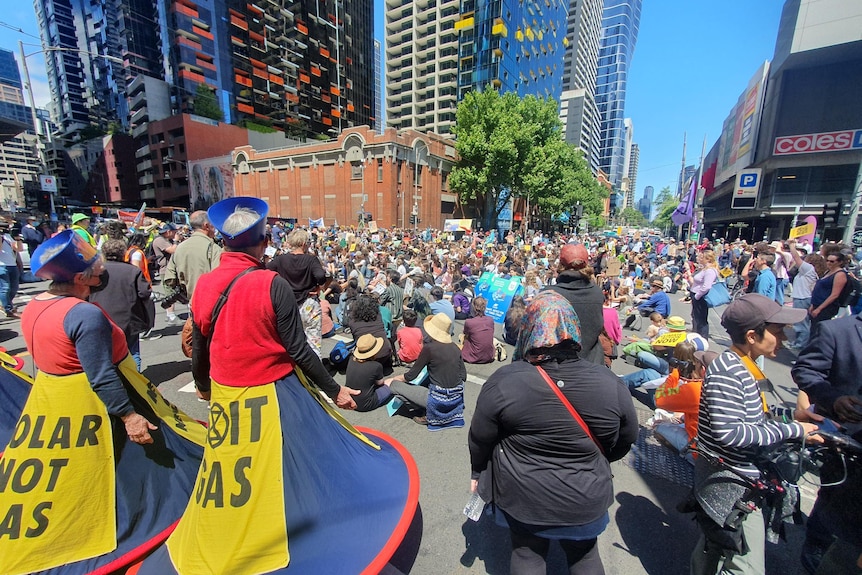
x,y
107,460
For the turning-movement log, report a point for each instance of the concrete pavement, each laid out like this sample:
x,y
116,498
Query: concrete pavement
x,y
646,534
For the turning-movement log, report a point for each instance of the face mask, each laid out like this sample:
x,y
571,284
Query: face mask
x,y
103,282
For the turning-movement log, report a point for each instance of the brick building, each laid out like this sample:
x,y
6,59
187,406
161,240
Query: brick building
x,y
389,176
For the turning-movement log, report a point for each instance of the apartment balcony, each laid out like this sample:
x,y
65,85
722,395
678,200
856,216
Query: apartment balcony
x,y
145,180
143,151
144,166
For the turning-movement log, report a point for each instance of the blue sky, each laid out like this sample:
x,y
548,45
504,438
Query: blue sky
x,y
692,61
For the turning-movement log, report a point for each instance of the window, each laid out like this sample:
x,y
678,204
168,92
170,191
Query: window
x,y
379,170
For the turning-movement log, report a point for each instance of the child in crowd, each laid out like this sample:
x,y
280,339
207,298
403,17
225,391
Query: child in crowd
x,y
657,324
409,338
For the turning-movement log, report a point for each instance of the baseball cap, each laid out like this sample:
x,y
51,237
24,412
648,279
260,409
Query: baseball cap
x,y
753,310
574,256
168,227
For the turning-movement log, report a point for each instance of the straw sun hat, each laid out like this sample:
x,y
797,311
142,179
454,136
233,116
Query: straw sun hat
x,y
367,346
438,326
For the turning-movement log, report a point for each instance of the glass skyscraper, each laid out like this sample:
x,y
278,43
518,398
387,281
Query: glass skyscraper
x,y
620,23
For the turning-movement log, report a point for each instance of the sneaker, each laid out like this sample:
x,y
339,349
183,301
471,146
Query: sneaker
x,y
172,318
150,336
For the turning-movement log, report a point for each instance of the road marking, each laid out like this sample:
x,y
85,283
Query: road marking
x,y
475,379
339,337
188,388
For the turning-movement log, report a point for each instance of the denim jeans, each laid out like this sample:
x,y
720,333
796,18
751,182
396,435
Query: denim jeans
x,y
639,378
676,435
134,343
9,278
780,286
803,328
649,360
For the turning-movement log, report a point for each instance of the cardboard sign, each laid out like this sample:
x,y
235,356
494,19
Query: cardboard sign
x,y
669,339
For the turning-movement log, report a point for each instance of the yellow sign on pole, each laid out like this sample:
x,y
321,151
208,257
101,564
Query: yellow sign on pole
x,y
669,339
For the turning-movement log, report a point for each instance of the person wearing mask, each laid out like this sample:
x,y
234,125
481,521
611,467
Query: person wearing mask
x,y
547,473
575,283
31,235
732,427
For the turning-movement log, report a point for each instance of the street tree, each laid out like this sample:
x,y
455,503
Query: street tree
x,y
666,203
206,105
513,147
632,217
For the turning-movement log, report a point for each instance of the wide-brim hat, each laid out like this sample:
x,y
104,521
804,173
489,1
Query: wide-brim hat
x,y
250,236
675,323
61,257
438,326
657,283
367,346
78,217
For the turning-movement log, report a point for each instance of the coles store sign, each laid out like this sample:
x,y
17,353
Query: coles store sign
x,y
813,143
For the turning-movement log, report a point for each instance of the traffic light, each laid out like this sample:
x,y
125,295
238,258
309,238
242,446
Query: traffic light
x,y
412,219
832,213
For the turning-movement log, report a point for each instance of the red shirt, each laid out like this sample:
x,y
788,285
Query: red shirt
x,y
409,343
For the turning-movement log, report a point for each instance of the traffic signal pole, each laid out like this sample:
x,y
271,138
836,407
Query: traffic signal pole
x,y
854,209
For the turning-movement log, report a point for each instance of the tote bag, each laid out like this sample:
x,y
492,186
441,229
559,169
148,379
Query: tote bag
x,y
717,295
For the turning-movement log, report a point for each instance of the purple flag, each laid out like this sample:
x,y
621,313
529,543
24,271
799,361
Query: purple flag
x,y
684,212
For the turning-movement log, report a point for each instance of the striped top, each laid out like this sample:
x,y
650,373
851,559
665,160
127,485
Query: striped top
x,y
731,421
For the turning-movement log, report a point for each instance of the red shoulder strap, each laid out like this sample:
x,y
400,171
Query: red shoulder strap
x,y
570,407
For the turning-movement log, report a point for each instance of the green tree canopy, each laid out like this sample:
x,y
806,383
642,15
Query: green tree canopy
x,y
666,203
206,105
632,217
510,146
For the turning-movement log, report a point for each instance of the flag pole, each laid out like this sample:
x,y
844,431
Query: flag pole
x,y
681,185
698,201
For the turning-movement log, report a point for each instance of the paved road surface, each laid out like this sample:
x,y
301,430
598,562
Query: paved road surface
x,y
646,534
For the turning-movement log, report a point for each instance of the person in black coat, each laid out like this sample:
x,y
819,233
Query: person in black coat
x,y
827,370
126,297
576,284
548,476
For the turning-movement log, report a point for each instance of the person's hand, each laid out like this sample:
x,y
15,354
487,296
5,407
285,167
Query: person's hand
x,y
814,311
138,428
205,395
344,399
810,428
848,408
474,484
805,415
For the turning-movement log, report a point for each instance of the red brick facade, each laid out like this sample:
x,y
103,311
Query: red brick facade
x,y
327,179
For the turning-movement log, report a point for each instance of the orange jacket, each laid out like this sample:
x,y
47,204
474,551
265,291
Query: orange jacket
x,y
683,395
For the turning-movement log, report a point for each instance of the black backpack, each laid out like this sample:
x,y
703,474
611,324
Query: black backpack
x,y
152,258
851,292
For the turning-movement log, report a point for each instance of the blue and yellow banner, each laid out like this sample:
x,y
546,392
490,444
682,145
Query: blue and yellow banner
x,y
499,292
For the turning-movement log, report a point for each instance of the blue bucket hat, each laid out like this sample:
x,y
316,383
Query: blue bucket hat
x,y
61,257
252,235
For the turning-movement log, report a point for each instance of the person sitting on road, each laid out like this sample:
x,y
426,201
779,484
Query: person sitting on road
x,y
657,300
478,335
655,363
409,338
365,318
512,321
365,374
443,398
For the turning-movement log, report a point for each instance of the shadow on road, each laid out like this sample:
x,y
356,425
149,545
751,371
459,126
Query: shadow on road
x,y
160,372
488,542
405,556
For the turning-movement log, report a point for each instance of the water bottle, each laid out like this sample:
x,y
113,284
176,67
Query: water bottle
x,y
475,506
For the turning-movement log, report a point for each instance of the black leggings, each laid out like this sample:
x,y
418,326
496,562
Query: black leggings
x,y
529,553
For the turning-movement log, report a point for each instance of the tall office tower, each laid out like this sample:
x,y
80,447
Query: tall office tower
x,y
19,155
578,110
303,66
620,23
513,46
378,89
625,188
634,158
645,203
421,65
87,88
684,176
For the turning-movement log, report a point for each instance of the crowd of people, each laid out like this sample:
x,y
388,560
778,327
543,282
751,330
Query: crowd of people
x,y
547,425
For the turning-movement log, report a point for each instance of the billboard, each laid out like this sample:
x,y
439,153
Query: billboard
x,y
739,132
210,180
815,143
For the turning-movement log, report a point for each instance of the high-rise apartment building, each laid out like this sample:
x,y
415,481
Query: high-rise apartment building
x,y
513,46
620,24
634,158
86,87
19,155
378,88
645,203
422,65
578,110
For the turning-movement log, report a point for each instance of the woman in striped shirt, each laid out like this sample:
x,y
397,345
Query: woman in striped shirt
x,y
733,424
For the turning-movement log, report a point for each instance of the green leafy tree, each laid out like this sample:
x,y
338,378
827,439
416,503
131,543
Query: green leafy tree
x,y
666,203
632,217
513,147
206,105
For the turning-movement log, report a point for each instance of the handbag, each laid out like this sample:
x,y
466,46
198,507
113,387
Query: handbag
x,y
717,295
574,412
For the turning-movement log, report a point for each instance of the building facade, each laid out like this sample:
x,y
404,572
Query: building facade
x,y
19,152
578,110
807,131
634,160
389,176
421,65
620,24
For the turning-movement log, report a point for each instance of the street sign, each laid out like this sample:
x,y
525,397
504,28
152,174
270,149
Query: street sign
x,y
746,190
49,184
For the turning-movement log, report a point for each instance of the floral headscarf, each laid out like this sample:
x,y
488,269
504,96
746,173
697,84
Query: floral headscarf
x,y
548,321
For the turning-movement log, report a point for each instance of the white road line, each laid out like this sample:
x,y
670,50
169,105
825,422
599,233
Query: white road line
x,y
476,380
344,338
188,388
